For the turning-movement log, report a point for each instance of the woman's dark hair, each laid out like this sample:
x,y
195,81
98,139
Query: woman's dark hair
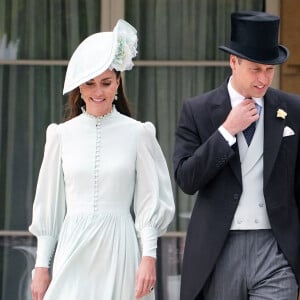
x,y
74,104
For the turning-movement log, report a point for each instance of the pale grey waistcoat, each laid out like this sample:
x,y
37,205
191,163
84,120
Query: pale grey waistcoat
x,y
251,212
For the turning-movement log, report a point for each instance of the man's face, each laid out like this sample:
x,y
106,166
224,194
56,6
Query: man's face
x,y
250,79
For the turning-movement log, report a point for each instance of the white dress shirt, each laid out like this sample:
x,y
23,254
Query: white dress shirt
x,y
235,99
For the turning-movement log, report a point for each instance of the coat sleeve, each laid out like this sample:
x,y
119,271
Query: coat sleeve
x,y
153,202
49,202
200,151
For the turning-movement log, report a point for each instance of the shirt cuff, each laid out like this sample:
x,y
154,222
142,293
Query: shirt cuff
x,y
231,140
149,241
45,250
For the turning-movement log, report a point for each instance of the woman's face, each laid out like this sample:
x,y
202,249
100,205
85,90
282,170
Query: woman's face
x,y
99,92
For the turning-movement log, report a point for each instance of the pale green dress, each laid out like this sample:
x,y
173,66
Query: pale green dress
x,y
93,170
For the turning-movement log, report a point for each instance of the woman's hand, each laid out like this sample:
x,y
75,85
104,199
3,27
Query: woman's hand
x,y
40,283
145,277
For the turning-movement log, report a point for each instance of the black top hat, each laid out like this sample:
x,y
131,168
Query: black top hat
x,y
254,36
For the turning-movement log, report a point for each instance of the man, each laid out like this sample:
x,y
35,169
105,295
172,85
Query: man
x,y
243,240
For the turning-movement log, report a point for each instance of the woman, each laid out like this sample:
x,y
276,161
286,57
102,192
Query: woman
x,y
96,166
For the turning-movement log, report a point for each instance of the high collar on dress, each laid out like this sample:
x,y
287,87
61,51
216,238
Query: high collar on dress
x,y
108,115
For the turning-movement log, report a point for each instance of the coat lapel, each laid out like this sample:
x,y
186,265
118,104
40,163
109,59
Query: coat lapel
x,y
273,131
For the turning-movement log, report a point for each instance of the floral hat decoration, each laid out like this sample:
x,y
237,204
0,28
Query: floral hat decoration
x,y
101,51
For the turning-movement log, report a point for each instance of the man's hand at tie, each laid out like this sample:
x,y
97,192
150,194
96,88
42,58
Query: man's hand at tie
x,y
241,117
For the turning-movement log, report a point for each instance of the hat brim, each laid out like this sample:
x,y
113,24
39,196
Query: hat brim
x,y
283,55
90,59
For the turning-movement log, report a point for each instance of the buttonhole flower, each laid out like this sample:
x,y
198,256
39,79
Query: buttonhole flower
x,y
281,113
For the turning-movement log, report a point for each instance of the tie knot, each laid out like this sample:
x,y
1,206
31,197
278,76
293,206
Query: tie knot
x,y
258,107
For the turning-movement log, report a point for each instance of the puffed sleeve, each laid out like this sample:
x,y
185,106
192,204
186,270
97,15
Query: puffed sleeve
x,y
49,202
153,203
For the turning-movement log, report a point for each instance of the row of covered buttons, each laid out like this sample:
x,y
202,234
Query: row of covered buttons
x,y
97,165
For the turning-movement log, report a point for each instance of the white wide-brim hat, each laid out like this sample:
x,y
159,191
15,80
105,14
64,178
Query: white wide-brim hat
x,y
99,52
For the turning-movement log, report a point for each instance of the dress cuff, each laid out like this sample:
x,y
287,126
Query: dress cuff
x,y
149,241
45,249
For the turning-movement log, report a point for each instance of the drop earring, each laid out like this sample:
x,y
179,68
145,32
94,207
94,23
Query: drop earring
x,y
116,97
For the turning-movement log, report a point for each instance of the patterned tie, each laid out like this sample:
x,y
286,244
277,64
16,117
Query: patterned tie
x,y
249,131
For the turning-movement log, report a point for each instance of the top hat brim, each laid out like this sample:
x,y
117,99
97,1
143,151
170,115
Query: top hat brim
x,y
283,55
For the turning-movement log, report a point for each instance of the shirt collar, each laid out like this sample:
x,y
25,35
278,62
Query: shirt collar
x,y
236,97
